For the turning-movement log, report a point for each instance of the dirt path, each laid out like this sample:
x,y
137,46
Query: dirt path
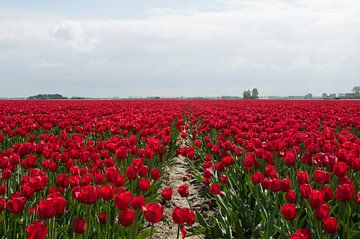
x,y
166,228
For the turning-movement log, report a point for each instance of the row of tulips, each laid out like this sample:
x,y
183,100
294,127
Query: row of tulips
x,y
89,169
278,169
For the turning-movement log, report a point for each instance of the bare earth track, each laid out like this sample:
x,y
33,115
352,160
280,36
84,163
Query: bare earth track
x,y
166,229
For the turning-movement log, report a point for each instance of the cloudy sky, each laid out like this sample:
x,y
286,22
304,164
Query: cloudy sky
x,y
122,48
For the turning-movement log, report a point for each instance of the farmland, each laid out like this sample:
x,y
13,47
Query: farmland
x,y
96,169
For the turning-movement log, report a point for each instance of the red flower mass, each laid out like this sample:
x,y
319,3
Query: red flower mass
x,y
88,164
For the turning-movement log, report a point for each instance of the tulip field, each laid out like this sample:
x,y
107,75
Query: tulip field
x,y
96,168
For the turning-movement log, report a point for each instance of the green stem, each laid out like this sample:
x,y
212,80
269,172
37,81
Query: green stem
x,y
53,221
151,230
15,222
108,218
88,219
4,222
346,219
189,203
178,232
50,228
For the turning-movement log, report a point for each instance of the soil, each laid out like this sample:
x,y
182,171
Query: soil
x,y
166,229
176,175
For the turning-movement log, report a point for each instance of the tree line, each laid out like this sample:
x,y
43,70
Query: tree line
x,y
47,97
251,94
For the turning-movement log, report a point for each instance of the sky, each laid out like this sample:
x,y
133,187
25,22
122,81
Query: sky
x,y
116,48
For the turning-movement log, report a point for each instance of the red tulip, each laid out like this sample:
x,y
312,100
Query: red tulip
x,y
126,217
208,172
328,193
330,225
179,215
155,174
87,194
2,204
36,230
357,199
220,167
62,180
99,178
323,212
345,192
302,233
206,181
190,218
305,190
166,194
102,218
153,212
355,164
111,174
224,179
257,177
340,169
274,185
291,196
79,226
137,163
148,153
107,192
290,158
289,211
316,199
144,184
215,189
321,177
265,183
120,180
27,191
122,153
131,173
138,202
123,200
302,177
143,171
183,215
183,190
271,171
16,204
2,189
46,208
6,173
228,161
285,185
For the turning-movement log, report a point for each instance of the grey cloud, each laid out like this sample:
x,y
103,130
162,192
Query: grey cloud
x,y
72,34
281,47
46,64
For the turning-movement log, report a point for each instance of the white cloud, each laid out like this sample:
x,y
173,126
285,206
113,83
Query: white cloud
x,y
277,46
172,12
46,64
72,34
302,62
23,30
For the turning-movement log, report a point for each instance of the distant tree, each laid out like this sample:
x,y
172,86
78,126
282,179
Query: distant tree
x,y
77,98
247,94
255,94
309,96
356,89
47,97
324,95
332,95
